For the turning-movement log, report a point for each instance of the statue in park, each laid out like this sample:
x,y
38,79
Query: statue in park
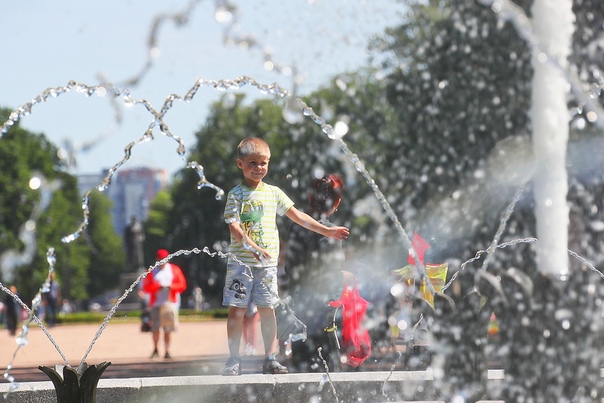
x,y
134,237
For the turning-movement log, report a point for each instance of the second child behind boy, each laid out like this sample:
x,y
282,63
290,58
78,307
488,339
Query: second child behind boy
x,y
251,210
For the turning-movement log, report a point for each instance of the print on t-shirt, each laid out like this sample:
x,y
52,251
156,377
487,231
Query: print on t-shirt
x,y
251,220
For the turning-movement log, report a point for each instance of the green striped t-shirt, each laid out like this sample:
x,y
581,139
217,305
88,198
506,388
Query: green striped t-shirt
x,y
257,210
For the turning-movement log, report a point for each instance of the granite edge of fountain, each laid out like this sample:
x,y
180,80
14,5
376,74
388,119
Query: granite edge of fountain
x,y
373,386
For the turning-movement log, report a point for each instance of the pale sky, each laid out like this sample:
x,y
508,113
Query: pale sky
x,y
46,44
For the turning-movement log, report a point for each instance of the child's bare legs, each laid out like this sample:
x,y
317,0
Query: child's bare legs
x,y
268,326
249,328
235,329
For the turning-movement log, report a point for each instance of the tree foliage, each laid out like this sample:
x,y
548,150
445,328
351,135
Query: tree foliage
x,y
460,79
87,266
23,155
458,98
107,256
63,217
156,225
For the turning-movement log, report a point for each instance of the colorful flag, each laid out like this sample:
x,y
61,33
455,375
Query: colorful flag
x,y
421,246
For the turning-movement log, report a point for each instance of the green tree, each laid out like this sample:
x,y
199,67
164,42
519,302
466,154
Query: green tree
x,y
458,96
107,256
24,155
357,100
156,225
73,259
460,80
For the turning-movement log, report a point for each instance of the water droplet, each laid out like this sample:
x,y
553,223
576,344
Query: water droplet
x,y
292,116
341,128
30,226
21,341
70,238
101,91
327,129
299,337
223,15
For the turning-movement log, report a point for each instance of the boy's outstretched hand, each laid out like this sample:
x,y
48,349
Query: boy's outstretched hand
x,y
310,223
338,232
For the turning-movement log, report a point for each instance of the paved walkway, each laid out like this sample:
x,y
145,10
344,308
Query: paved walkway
x,y
197,348
119,342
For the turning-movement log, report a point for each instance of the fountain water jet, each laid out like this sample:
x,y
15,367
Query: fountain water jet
x,y
553,25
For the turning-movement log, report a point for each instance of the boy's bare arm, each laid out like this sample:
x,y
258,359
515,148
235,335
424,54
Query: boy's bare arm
x,y
310,223
239,235
237,231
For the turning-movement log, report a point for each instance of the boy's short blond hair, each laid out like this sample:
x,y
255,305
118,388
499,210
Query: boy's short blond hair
x,y
253,146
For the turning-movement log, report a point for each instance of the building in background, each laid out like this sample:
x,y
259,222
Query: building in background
x,y
88,181
131,192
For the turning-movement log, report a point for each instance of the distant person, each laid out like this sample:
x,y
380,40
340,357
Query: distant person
x,y
51,300
250,213
146,324
314,266
66,307
197,299
134,236
164,286
11,311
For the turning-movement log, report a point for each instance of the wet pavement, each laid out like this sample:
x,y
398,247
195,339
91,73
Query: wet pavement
x,y
198,348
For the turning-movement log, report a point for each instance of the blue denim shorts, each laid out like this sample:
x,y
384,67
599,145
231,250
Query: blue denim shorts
x,y
243,284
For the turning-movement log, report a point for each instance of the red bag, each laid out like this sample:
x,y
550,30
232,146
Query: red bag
x,y
355,338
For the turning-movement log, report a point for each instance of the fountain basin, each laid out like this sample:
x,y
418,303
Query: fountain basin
x,y
380,386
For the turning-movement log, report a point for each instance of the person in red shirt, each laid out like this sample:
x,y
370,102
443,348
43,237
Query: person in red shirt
x,y
164,286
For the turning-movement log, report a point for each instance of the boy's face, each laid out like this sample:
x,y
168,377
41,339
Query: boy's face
x,y
254,168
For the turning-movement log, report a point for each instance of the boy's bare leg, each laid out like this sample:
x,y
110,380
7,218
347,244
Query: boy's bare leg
x,y
268,326
235,329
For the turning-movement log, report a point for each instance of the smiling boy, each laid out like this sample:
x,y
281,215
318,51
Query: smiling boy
x,y
250,212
